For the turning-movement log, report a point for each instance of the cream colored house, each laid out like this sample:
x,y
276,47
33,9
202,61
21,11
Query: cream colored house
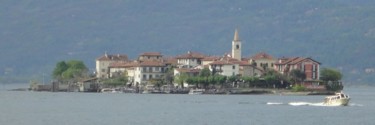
x,y
150,56
103,62
189,60
123,69
250,70
263,61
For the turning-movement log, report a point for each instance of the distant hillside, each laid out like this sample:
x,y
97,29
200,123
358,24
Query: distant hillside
x,y
34,35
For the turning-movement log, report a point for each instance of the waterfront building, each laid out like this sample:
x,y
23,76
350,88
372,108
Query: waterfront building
x,y
307,65
247,69
189,60
103,62
224,67
263,61
148,70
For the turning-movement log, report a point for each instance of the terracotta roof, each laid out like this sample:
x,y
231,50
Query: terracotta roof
x,y
242,63
294,60
151,54
151,63
262,55
123,64
221,62
117,57
191,55
170,60
136,64
210,58
230,59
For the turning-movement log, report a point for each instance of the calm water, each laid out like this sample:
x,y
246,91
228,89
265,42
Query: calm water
x,y
45,108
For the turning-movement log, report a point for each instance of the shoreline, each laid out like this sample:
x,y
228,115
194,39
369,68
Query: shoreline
x,y
244,91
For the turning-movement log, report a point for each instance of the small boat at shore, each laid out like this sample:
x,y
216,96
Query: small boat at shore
x,y
339,99
196,91
109,90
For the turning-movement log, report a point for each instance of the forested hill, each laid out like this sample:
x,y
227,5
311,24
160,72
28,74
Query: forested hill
x,y
35,34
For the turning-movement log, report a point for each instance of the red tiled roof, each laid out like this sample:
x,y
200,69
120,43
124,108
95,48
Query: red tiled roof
x,y
242,63
262,55
221,62
137,64
170,60
293,60
117,57
191,55
210,58
151,54
151,63
123,64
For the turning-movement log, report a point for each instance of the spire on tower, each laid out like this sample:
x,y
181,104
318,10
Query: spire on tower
x,y
236,37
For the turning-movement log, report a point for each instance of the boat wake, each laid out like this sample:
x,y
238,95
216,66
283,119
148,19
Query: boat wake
x,y
275,103
308,104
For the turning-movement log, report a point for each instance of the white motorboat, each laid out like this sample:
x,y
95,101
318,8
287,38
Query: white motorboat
x,y
196,91
339,99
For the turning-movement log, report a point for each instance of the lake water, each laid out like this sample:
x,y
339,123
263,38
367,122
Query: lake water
x,y
46,108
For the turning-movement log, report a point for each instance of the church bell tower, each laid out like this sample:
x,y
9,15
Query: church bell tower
x,y
236,46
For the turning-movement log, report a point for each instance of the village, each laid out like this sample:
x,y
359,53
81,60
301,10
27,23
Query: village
x,y
195,72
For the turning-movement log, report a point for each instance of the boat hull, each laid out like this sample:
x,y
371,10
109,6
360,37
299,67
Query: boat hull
x,y
338,102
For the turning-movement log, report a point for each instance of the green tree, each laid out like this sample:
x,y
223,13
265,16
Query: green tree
x,y
169,76
204,75
297,75
181,78
327,74
205,72
71,70
221,80
332,79
59,69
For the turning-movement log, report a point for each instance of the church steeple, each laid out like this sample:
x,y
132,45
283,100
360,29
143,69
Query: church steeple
x,y
236,46
236,37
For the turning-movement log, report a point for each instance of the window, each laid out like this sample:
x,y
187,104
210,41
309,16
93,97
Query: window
x,y
314,68
150,69
233,67
157,68
237,46
150,76
144,76
313,77
103,70
144,69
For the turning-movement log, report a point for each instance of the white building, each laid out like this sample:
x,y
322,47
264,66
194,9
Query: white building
x,y
148,70
224,67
